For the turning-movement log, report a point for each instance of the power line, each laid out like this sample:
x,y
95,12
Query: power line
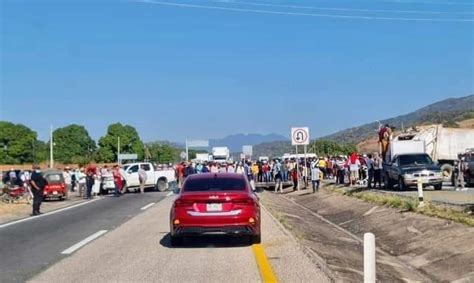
x,y
412,2
341,9
300,14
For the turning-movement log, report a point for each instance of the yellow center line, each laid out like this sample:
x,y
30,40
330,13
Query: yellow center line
x,y
264,266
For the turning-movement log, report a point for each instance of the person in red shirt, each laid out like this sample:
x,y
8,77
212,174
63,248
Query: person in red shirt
x,y
117,180
294,177
180,174
91,171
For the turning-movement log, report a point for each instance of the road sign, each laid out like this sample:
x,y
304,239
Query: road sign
x,y
247,150
127,156
300,136
198,143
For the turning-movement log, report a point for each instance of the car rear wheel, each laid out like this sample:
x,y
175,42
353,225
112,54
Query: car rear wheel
x,y
438,187
176,241
255,239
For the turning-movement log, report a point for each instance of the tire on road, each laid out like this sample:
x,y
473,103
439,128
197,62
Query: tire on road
x,y
447,171
161,185
438,187
176,241
255,239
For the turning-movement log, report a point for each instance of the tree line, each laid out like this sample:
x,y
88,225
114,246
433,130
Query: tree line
x,y
73,145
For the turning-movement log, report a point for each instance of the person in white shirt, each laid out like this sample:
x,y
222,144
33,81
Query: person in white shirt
x,y
315,176
67,178
142,177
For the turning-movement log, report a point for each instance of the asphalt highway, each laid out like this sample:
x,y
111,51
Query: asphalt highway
x,y
140,251
29,247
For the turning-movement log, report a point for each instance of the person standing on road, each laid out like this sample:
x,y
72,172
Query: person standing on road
x,y
278,177
378,166
315,177
67,179
460,174
142,178
214,168
370,168
294,178
81,181
117,180
91,172
38,183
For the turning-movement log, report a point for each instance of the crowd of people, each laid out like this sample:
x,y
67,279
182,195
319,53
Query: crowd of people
x,y
354,169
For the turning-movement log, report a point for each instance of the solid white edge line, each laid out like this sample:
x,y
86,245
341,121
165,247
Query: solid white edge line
x,y
83,242
147,206
169,194
48,213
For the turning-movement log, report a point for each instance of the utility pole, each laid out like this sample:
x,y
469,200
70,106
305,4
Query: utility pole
x,y
118,150
187,151
51,146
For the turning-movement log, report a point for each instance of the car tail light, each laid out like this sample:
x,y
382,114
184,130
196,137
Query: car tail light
x,y
182,203
244,201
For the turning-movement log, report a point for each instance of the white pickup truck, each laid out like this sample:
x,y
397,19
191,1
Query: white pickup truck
x,y
157,179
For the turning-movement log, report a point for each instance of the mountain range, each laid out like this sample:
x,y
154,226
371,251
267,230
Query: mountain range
x,y
235,142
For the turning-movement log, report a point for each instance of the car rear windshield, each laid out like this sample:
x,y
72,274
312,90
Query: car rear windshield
x,y
415,160
214,184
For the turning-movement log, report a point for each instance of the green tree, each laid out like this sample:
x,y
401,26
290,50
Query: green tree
x,y
72,144
129,143
328,147
163,153
17,143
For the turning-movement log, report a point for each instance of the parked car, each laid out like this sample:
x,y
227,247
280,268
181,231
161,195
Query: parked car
x,y
56,187
158,179
406,169
211,203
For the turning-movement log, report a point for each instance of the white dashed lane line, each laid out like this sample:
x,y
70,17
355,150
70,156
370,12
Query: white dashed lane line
x,y
83,242
147,206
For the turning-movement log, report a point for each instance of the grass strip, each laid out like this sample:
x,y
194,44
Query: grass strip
x,y
407,204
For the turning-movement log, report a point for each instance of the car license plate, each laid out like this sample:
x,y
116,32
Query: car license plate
x,y
55,193
214,207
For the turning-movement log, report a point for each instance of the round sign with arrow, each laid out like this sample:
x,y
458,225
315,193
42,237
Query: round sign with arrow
x,y
300,136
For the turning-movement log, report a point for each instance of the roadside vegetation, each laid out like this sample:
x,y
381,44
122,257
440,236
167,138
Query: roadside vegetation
x,y
408,204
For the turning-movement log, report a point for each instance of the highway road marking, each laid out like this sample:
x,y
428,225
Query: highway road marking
x,y
148,206
83,242
264,266
169,194
48,213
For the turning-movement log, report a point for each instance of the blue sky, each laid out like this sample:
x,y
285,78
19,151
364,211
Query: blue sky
x,y
176,71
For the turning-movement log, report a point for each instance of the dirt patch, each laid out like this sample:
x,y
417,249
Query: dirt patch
x,y
411,247
14,211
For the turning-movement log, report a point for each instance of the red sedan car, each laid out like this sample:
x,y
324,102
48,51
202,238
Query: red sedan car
x,y
215,203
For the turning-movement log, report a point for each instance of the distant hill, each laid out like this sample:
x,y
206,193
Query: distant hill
x,y
448,112
235,142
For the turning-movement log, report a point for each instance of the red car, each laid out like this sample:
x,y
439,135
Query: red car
x,y
56,187
215,203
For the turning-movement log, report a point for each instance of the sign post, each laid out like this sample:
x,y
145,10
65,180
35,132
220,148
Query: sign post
x,y
300,136
194,144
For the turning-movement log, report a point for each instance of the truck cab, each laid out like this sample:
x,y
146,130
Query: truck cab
x,y
405,170
157,179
